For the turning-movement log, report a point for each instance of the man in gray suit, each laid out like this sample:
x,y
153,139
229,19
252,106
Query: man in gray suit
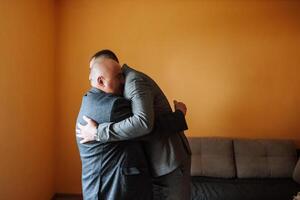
x,y
112,170
168,151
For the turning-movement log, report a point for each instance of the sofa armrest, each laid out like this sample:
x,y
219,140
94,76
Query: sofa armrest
x,y
296,174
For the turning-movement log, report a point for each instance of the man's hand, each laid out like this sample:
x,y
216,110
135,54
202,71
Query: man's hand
x,y
87,132
180,106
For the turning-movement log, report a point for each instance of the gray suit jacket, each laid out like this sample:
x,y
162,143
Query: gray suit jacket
x,y
168,147
101,162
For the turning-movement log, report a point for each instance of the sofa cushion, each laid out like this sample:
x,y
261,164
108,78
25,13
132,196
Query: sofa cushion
x,y
296,174
212,157
264,158
206,188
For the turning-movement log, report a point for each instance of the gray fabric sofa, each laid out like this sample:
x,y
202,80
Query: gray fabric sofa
x,y
243,169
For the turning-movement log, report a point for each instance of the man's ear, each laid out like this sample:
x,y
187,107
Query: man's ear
x,y
100,81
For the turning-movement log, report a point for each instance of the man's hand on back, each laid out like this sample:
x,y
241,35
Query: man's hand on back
x,y
87,132
180,106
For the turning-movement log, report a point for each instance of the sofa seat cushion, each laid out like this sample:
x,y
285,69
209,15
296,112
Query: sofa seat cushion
x,y
204,188
212,157
264,158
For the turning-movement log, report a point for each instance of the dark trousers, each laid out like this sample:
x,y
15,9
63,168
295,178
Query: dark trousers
x,y
175,185
126,184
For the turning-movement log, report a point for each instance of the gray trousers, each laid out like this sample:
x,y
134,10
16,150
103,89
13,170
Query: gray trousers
x,y
175,185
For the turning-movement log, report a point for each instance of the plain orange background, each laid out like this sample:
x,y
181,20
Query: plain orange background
x,y
27,52
234,63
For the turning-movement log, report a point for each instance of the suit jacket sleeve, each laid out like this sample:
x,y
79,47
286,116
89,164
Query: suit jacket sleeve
x,y
142,120
167,124
172,122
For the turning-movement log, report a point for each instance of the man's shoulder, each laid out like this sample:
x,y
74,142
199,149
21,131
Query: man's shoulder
x,y
108,100
100,98
99,106
132,75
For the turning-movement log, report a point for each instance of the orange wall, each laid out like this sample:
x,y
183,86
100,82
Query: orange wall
x,y
27,96
235,64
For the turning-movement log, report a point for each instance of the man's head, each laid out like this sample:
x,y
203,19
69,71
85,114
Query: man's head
x,y
106,75
100,55
106,53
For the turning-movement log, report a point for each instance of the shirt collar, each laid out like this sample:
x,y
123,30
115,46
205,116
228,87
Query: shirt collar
x,y
96,90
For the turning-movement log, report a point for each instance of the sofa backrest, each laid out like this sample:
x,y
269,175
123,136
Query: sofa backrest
x,y
242,158
212,157
264,158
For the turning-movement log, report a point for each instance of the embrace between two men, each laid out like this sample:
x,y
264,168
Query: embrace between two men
x,y
131,143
